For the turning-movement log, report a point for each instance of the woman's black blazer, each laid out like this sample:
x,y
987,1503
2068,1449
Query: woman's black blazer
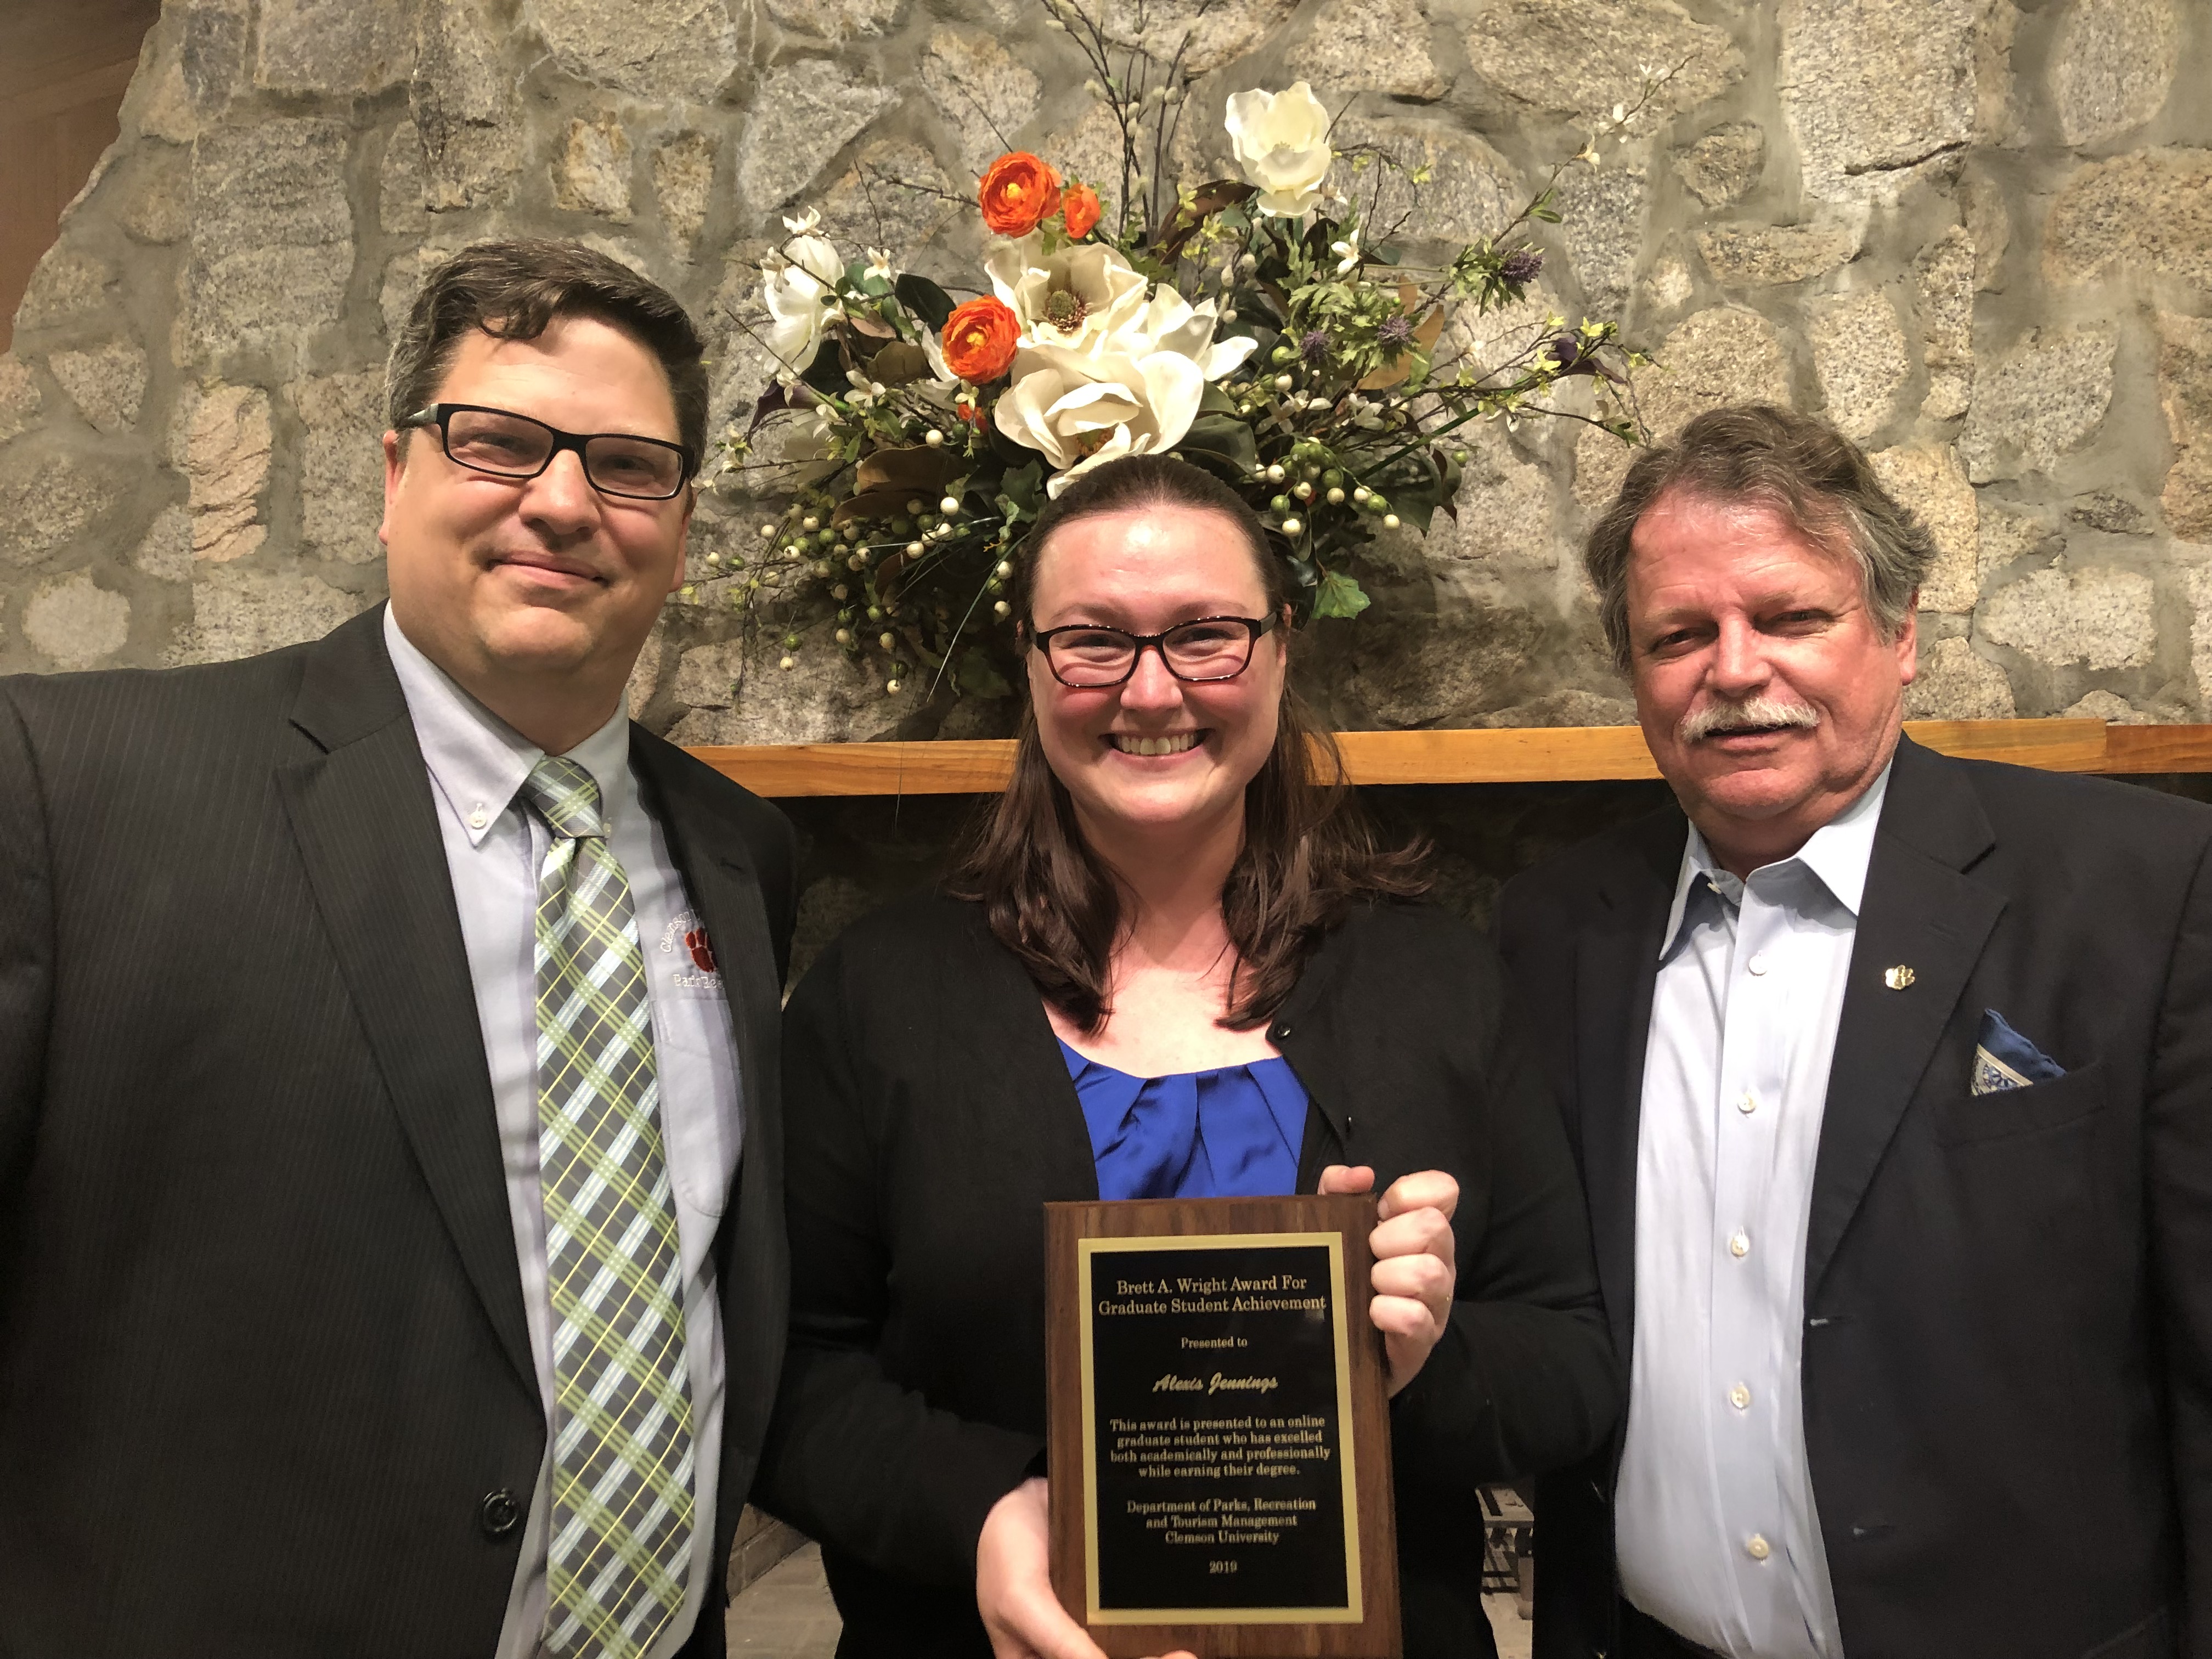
x,y
930,1116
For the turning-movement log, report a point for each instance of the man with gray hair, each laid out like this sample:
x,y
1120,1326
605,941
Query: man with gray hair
x,y
391,1249
1890,1078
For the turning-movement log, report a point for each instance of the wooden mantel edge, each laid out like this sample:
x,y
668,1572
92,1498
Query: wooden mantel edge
x,y
1508,755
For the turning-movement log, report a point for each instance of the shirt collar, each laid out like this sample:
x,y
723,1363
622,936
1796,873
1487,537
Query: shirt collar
x,y
1838,853
478,761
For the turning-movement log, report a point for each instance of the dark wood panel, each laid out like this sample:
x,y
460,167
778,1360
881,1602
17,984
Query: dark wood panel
x,y
1518,755
64,66
43,41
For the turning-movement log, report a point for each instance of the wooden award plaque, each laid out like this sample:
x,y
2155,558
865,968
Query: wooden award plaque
x,y
1220,1433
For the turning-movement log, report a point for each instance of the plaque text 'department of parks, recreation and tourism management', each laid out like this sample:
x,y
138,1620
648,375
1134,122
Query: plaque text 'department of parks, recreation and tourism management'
x,y
1220,1454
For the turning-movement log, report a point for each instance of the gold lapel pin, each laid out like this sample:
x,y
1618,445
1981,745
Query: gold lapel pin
x,y
1899,977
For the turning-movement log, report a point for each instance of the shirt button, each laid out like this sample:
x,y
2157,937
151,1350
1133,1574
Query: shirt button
x,y
1748,1104
1757,964
478,816
1757,1548
1739,1243
1740,1397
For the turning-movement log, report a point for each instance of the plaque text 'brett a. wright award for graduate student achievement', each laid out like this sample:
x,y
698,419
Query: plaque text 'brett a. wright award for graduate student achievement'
x,y
1221,1450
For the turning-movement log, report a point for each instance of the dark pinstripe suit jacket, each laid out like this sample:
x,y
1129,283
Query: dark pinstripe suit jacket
x,y
263,1356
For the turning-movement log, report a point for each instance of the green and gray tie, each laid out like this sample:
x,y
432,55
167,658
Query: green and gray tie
x,y
619,1556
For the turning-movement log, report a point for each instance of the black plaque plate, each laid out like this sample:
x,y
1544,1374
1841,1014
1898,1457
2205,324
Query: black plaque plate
x,y
1213,1376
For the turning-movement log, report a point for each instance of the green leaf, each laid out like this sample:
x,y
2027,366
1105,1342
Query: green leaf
x,y
899,364
1020,489
826,372
1214,401
978,676
1225,435
925,300
1339,596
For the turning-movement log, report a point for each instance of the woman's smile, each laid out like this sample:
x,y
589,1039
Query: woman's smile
x,y
1169,743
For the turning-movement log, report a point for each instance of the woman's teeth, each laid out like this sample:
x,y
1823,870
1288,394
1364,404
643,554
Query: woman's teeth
x,y
1128,743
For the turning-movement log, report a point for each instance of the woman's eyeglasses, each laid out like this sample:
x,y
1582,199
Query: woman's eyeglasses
x,y
506,445
1087,656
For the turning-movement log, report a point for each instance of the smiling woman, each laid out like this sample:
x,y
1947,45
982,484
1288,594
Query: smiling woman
x,y
1175,961
1142,755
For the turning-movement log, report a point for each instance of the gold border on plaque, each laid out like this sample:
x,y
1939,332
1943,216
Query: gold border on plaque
x,y
1350,1612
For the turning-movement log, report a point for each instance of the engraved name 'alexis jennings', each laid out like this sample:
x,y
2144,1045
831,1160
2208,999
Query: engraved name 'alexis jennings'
x,y
1276,1293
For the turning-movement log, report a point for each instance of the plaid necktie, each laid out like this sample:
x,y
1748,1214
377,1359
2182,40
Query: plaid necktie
x,y
619,1558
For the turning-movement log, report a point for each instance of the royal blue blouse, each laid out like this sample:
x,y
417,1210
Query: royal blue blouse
x,y
1235,1131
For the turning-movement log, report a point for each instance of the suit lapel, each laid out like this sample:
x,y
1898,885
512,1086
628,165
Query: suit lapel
x,y
1616,966
1920,911
366,828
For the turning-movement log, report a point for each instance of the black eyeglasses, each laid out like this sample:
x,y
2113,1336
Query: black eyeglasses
x,y
1085,655
506,445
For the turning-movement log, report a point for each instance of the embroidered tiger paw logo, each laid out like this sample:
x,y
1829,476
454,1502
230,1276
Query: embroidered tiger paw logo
x,y
702,953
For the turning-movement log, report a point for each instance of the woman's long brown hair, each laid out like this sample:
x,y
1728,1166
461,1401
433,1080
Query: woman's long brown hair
x,y
1309,849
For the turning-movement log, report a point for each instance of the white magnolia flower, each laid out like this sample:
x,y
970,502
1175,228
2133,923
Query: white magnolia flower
x,y
1347,252
1087,298
1084,408
1103,371
879,265
798,284
1078,297
1282,146
933,347
1171,323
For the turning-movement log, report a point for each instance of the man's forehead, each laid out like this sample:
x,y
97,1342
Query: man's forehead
x,y
573,356
1751,517
1742,542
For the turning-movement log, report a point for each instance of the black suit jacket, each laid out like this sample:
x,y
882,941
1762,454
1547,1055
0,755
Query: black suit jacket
x,y
262,1356
932,1117
2008,1352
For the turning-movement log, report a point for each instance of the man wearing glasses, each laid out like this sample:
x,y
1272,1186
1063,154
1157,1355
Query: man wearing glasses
x,y
392,1256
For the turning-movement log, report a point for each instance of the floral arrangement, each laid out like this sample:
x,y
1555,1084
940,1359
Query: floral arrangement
x,y
1260,327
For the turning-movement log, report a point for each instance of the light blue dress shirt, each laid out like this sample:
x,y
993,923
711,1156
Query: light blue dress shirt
x,y
1714,1519
495,846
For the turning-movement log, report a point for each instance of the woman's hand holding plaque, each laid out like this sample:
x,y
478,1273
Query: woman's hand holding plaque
x,y
1416,1266
1013,1583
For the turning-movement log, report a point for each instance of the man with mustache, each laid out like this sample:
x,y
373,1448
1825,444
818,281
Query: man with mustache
x,y
391,1249
1890,1078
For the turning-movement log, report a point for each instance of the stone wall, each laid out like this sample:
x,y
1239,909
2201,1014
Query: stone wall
x,y
1976,233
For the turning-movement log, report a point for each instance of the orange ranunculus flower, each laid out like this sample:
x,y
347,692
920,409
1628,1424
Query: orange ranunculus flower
x,y
1017,192
979,339
1081,206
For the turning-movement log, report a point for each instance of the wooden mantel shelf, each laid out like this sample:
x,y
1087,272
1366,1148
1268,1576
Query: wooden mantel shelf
x,y
1515,755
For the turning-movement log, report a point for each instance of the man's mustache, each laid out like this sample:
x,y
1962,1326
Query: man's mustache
x,y
1701,723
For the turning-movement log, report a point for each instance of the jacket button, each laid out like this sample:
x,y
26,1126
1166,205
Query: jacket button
x,y
1279,1032
499,1514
